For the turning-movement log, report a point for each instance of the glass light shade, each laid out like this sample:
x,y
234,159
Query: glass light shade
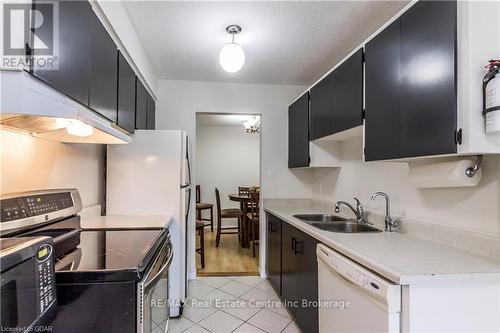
x,y
232,57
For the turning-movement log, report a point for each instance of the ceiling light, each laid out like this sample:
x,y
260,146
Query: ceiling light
x,y
232,56
252,125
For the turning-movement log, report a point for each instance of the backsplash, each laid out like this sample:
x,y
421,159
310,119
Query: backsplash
x,y
474,209
30,163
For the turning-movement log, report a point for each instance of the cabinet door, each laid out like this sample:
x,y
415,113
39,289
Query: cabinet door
x,y
103,71
141,103
151,112
320,125
337,100
382,94
126,95
428,61
298,133
306,281
289,264
274,252
346,93
72,76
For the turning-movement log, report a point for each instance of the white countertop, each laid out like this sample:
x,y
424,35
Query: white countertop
x,y
126,221
398,257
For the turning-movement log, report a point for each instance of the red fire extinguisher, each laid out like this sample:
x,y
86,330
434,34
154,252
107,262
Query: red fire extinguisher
x,y
491,97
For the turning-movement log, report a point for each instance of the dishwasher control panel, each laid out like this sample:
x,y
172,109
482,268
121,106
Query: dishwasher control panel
x,y
356,276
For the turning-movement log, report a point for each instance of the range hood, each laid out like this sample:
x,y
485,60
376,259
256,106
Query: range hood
x,y
30,106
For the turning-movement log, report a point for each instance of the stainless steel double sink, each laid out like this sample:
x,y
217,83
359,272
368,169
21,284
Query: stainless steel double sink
x,y
335,223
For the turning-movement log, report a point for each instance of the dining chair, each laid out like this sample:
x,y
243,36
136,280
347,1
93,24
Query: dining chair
x,y
243,190
228,213
201,206
253,218
200,229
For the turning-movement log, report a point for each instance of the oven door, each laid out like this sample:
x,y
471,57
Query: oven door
x,y
152,294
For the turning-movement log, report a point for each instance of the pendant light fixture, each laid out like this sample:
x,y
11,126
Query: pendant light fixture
x,y
232,56
252,125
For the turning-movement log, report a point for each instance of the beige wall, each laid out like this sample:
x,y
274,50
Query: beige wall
x,y
475,208
29,163
226,157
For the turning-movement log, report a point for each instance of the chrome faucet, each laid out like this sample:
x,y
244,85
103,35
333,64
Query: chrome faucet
x,y
359,211
390,222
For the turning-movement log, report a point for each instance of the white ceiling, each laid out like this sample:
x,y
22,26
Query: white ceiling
x,y
205,119
286,42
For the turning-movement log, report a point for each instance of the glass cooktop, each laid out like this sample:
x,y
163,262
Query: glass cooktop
x,y
109,250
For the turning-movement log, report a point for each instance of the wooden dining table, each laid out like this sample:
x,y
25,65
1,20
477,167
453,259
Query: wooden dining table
x,y
244,200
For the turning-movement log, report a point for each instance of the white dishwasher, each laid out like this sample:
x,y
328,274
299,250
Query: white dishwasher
x,y
353,299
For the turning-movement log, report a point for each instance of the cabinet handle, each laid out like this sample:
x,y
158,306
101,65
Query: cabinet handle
x,y
293,243
296,249
270,226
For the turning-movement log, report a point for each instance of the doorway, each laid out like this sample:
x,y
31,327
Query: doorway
x,y
227,161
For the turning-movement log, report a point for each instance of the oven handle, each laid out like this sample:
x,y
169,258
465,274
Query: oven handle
x,y
165,266
74,259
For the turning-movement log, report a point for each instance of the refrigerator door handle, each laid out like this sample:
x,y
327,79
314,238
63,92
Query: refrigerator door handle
x,y
188,203
188,162
188,168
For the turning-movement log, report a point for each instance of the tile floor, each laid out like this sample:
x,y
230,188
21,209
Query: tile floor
x,y
244,304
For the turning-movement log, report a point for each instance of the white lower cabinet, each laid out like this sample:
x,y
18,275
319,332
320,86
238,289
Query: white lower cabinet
x,y
451,304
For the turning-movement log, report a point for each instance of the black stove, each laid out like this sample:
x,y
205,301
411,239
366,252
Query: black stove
x,y
109,255
104,278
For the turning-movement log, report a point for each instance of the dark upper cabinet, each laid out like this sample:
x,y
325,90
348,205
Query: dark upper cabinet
x,y
298,132
141,105
382,94
320,113
151,112
126,95
274,252
410,88
103,71
337,100
428,64
346,94
72,76
87,60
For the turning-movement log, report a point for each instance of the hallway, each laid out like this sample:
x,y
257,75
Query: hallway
x,y
227,259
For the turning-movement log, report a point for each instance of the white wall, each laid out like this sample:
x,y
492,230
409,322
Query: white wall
x,y
475,209
29,163
178,102
226,157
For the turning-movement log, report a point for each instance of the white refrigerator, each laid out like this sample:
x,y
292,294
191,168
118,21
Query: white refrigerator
x,y
151,176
